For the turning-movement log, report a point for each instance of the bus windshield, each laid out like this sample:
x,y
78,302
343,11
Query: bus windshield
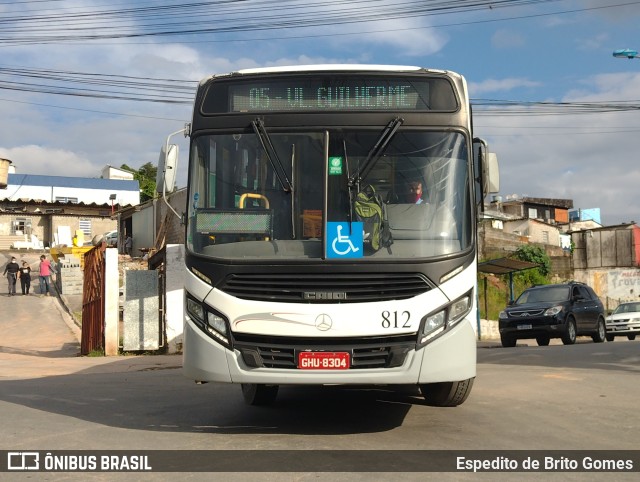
x,y
275,196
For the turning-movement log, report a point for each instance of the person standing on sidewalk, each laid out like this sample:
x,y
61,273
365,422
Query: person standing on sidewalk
x,y
25,278
128,244
11,271
45,271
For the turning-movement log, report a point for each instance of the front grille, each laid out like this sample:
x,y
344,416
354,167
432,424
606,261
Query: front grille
x,y
525,313
281,352
325,287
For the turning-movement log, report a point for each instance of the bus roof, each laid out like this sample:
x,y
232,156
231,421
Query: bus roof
x,y
328,67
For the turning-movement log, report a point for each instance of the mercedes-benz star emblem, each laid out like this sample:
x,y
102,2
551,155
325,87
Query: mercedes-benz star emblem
x,y
323,322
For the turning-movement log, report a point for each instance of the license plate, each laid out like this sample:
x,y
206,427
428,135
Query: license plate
x,y
323,360
524,327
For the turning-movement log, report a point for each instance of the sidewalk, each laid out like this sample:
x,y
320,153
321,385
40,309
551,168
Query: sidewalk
x,y
40,338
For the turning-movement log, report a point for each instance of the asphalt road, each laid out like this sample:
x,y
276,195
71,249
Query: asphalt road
x,y
580,397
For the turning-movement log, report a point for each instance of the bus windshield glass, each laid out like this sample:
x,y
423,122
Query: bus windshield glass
x,y
295,200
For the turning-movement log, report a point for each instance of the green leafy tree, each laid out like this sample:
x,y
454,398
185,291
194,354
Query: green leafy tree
x,y
146,177
534,254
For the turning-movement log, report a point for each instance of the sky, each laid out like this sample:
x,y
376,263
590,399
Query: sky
x,y
85,84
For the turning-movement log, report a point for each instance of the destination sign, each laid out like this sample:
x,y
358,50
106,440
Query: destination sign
x,y
332,93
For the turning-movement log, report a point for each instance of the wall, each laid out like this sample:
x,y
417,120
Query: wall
x,y
561,215
99,225
612,285
174,310
495,243
70,278
605,248
534,230
174,229
143,230
110,172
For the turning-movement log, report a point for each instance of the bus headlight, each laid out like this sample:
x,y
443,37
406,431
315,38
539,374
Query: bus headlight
x,y
195,311
217,326
208,320
434,324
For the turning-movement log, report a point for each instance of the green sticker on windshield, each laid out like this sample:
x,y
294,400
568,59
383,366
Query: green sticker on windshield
x,y
335,166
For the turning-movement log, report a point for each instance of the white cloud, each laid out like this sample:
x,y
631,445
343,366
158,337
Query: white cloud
x,y
30,159
500,85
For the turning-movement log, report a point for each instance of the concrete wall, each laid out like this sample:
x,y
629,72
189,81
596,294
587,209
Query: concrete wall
x,y
619,284
41,224
111,303
70,279
143,231
141,321
534,231
604,248
174,229
174,309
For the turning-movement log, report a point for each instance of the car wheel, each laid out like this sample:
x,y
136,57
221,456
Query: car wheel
x,y
610,337
508,341
569,338
446,394
631,337
601,332
258,394
543,340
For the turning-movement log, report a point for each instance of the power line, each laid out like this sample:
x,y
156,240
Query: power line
x,y
230,16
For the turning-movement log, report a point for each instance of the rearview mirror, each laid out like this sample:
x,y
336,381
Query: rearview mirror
x,y
167,167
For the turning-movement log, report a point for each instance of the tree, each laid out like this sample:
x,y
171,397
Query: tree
x,y
146,177
534,254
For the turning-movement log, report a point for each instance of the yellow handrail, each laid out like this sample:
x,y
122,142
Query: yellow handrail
x,y
253,196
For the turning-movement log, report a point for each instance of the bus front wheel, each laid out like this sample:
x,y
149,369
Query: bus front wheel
x,y
446,394
258,394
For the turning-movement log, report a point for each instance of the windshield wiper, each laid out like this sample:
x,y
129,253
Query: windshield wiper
x,y
272,154
376,151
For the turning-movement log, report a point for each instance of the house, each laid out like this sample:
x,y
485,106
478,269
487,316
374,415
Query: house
x,y
110,172
591,214
71,189
551,211
42,206
535,231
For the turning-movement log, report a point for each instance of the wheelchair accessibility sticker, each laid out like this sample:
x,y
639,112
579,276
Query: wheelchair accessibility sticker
x,y
344,240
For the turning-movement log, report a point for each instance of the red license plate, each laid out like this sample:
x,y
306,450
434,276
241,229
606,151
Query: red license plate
x,y
323,360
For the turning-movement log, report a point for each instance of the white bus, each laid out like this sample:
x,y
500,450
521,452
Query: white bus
x,y
331,230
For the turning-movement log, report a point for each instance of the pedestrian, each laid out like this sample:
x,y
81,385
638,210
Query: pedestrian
x,y
45,272
25,278
128,244
11,271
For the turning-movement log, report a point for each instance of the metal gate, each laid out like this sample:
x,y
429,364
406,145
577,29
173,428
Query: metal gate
x,y
93,302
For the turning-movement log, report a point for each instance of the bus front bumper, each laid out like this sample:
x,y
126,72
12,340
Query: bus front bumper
x,y
450,357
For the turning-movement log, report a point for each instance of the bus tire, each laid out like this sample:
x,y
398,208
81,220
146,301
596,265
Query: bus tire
x,y
446,394
258,394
